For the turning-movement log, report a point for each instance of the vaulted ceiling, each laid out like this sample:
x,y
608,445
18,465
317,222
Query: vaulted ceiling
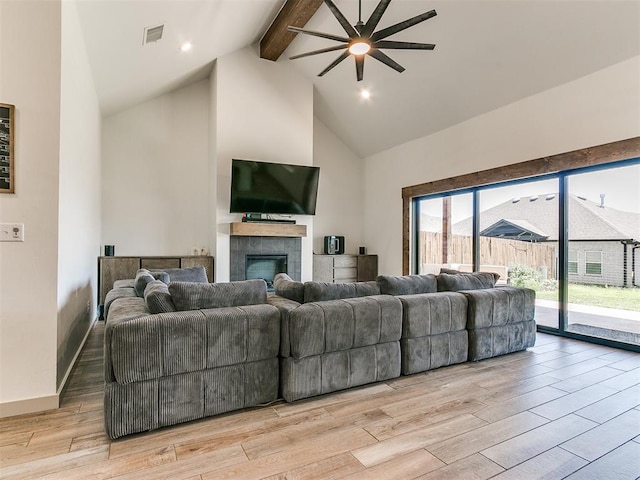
x,y
489,53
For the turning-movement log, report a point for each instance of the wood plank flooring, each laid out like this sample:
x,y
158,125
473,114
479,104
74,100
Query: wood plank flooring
x,y
563,409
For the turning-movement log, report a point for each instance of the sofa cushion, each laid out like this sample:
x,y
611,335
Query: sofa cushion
x,y
191,274
466,281
197,296
124,283
407,284
158,298
321,291
285,286
320,327
116,293
140,282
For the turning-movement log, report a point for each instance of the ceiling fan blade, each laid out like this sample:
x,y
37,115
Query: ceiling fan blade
x,y
404,45
375,17
398,27
319,34
359,67
322,50
344,55
381,57
352,32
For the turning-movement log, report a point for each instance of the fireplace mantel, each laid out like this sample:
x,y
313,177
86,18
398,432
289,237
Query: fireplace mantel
x,y
265,229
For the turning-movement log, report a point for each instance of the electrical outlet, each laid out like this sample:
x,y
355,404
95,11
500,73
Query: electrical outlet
x,y
11,232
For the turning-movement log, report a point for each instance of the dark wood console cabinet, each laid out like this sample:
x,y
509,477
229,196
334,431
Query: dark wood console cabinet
x,y
345,268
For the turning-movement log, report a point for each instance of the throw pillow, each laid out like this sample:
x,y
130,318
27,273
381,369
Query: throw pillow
x,y
158,298
285,286
466,281
198,296
162,276
192,274
407,284
140,282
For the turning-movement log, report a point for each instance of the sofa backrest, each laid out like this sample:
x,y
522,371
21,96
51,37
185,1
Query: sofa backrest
x,y
322,291
407,284
466,281
198,296
309,292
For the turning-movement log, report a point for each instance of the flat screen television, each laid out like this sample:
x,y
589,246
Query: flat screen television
x,y
263,187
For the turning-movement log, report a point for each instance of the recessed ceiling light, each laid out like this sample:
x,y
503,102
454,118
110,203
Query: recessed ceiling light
x,y
365,94
186,46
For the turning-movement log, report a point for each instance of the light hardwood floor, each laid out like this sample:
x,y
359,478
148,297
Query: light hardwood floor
x,y
563,409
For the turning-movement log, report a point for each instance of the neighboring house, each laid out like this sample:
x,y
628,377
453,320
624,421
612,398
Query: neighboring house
x,y
603,241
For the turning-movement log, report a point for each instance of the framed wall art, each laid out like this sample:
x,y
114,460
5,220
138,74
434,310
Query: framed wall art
x,y
7,167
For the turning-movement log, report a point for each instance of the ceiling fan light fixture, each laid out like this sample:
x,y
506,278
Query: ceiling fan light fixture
x,y
359,47
363,39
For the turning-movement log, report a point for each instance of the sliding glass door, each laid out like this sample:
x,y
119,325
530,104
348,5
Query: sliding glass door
x,y
572,235
518,235
603,220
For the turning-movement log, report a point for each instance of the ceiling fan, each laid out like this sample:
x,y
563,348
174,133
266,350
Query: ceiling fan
x,y
364,40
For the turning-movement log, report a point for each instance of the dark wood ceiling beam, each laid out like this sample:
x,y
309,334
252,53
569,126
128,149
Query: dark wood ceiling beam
x,y
295,13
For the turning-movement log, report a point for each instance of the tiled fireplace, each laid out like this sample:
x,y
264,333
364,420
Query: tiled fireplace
x,y
263,257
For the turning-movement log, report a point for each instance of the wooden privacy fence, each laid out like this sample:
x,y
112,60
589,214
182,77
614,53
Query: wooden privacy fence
x,y
493,251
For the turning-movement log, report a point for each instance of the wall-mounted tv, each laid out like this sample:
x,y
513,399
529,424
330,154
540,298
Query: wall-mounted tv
x,y
263,187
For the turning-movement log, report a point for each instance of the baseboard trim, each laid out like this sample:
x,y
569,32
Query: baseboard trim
x,y
29,405
75,357
49,402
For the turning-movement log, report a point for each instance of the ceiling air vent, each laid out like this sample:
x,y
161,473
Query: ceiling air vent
x,y
152,34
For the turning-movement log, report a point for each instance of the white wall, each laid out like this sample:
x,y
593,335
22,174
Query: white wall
x,y
593,110
263,111
79,197
155,175
339,210
30,79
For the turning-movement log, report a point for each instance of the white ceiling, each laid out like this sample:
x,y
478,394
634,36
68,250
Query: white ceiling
x,y
489,53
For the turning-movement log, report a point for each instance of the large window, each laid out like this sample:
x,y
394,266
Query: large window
x,y
524,230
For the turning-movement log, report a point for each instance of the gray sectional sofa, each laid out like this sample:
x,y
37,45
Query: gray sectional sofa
x,y
213,349
177,348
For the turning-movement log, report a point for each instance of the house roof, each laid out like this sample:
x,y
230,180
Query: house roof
x,y
587,220
515,229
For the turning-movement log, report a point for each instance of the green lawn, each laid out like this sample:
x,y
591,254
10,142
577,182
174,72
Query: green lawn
x,y
598,296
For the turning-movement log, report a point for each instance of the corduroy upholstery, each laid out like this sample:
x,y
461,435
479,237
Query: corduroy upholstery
x,y
500,320
192,296
433,331
157,297
320,291
166,368
466,281
407,284
331,345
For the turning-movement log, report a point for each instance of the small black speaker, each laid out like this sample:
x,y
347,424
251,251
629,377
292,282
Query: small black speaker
x,y
109,250
362,250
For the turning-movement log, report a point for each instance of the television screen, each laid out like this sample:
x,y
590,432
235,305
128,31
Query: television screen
x,y
263,187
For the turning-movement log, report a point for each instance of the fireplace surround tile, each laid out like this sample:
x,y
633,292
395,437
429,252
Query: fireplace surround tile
x,y
241,246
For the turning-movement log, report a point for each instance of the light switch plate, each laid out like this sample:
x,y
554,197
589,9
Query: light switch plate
x,y
11,232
